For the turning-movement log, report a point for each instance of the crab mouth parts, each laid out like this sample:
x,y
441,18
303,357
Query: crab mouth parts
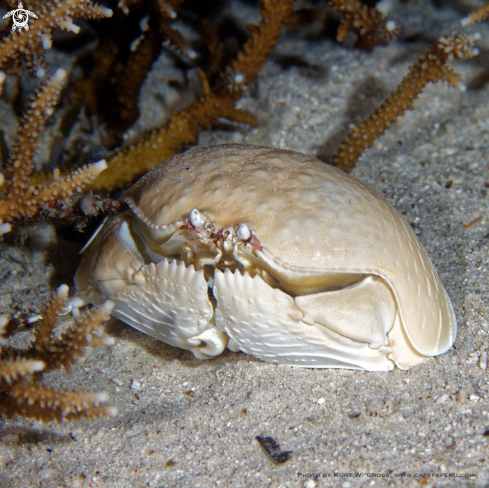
x,y
215,250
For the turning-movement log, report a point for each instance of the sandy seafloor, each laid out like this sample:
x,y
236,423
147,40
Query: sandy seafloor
x,y
186,422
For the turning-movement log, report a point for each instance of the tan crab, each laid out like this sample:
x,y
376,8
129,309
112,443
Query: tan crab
x,y
272,253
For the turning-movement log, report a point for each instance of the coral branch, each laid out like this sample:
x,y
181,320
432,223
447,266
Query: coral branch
x,y
41,107
35,198
216,50
136,69
165,142
21,389
476,16
117,67
144,52
430,67
374,29
168,13
14,369
22,199
63,350
256,51
87,90
47,403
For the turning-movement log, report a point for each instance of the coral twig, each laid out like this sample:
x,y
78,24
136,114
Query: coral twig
x,y
256,51
165,142
21,199
431,67
15,369
168,13
476,16
21,389
373,28
144,52
63,350
30,127
47,403
215,47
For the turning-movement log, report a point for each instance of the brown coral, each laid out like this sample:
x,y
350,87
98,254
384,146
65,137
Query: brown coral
x,y
22,391
144,52
431,67
119,64
476,16
373,28
22,199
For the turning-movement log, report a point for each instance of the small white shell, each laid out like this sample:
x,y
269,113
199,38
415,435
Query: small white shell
x,y
331,275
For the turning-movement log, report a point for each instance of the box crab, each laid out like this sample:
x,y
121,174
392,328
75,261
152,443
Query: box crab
x,y
272,253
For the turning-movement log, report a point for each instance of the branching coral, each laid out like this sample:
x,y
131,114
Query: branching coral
x,y
167,14
263,38
476,16
165,142
21,199
144,51
218,100
122,59
431,67
374,29
215,47
20,50
22,391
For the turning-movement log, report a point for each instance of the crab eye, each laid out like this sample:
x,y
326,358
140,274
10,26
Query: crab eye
x,y
196,218
243,232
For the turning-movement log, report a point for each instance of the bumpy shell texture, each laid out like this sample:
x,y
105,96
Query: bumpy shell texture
x,y
310,217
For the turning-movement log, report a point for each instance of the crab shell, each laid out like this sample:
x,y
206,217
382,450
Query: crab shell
x,y
273,253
